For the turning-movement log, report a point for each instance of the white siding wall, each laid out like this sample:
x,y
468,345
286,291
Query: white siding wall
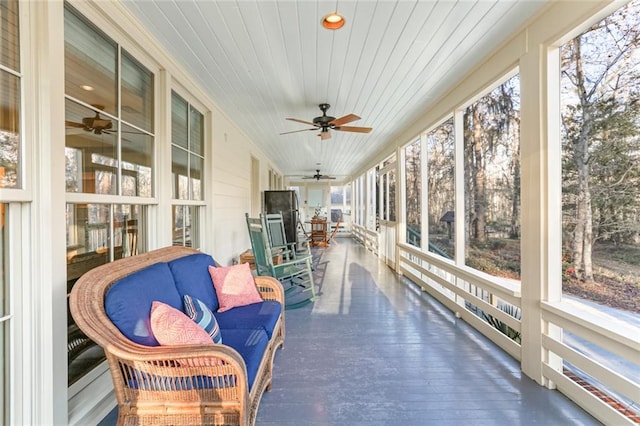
x,y
43,388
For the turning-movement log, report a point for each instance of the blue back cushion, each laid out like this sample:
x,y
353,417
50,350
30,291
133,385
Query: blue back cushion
x,y
191,274
128,301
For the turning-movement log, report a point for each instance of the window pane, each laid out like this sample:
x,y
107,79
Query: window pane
x,y
177,213
337,196
129,227
187,132
372,194
91,160
492,181
137,93
186,226
90,64
89,232
87,248
196,139
179,173
193,231
196,177
413,193
384,214
97,234
10,35
600,98
392,196
179,121
441,178
337,204
137,162
389,160
9,130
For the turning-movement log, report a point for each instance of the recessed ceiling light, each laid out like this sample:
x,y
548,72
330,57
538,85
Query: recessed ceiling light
x,y
87,87
333,21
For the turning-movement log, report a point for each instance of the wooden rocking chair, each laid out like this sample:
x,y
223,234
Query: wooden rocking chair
x,y
295,274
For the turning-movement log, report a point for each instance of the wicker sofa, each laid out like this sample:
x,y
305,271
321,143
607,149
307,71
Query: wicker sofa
x,y
219,384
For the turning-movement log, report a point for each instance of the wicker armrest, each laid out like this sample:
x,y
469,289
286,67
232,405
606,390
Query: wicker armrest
x,y
176,378
270,288
207,357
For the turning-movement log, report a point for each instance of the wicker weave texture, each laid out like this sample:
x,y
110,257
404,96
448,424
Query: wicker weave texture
x,y
158,385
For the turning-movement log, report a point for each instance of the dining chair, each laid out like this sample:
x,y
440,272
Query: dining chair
x,y
334,232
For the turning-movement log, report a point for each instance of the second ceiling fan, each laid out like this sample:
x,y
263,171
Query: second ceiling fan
x,y
325,122
318,176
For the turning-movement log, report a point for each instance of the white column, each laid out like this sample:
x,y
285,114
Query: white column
x,y
541,204
44,313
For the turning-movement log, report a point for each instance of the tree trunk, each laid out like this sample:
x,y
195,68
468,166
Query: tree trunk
x,y
514,232
479,206
583,234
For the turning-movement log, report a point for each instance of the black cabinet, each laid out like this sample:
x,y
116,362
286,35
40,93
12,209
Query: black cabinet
x,y
285,202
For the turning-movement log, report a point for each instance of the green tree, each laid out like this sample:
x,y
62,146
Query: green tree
x,y
600,89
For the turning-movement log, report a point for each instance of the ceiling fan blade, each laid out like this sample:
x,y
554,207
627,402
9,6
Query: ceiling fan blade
x,y
327,177
325,135
301,121
345,119
73,124
354,129
296,131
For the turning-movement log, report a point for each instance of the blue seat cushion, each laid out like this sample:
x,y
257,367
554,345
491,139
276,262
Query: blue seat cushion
x,y
262,315
251,345
191,274
128,301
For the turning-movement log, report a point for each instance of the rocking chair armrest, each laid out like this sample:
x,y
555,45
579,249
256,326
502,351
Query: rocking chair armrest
x,y
270,288
300,261
287,251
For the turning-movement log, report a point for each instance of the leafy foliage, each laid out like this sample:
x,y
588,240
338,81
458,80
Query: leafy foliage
x,y
511,310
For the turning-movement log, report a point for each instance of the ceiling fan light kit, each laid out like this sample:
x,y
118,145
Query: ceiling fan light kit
x,y
325,122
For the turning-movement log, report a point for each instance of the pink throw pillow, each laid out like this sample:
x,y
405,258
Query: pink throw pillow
x,y
234,286
171,327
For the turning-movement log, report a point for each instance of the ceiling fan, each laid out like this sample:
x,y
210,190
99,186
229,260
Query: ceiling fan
x,y
318,176
95,124
325,122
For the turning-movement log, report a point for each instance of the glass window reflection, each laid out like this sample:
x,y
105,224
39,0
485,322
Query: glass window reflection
x,y
136,91
90,63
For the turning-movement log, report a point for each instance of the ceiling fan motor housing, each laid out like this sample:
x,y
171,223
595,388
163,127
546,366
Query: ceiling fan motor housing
x,y
324,120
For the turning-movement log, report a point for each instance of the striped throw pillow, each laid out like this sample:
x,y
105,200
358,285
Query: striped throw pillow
x,y
202,315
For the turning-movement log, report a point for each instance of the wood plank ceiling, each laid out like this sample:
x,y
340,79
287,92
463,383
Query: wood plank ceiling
x,y
265,60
